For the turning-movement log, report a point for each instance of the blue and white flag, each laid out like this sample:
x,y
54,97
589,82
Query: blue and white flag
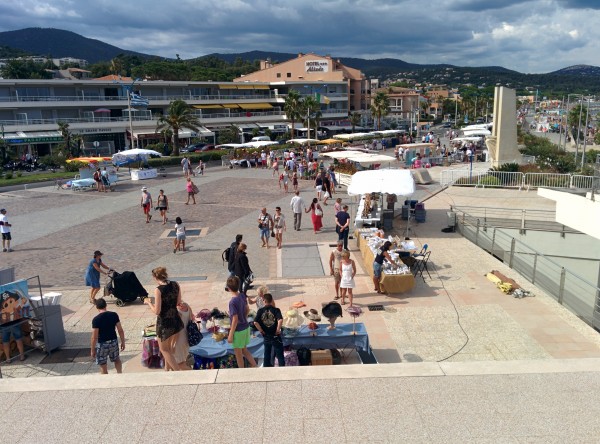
x,y
138,100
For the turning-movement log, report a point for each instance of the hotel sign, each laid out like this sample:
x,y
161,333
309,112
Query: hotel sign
x,y
316,66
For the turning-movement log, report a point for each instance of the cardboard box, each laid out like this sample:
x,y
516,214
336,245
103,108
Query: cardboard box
x,y
321,357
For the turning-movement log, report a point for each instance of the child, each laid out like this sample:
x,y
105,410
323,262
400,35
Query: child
x,y
295,181
268,322
239,333
280,180
179,241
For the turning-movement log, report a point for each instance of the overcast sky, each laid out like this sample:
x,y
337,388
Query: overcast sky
x,y
531,36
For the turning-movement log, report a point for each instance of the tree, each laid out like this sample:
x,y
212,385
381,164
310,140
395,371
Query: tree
x,y
293,108
354,120
310,112
380,107
229,135
65,132
179,116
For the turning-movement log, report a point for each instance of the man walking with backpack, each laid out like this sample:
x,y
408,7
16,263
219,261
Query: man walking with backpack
x,y
229,254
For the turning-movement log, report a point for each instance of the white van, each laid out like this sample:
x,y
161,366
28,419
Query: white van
x,y
261,139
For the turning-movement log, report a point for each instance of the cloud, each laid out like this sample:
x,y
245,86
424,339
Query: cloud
x,y
525,35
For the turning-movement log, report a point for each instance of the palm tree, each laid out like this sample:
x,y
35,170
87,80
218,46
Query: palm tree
x,y
179,116
293,107
354,120
63,128
380,107
310,112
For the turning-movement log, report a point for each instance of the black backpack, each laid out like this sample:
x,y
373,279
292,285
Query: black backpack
x,y
225,255
303,356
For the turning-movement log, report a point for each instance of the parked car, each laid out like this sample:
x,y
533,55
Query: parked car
x,y
194,148
208,147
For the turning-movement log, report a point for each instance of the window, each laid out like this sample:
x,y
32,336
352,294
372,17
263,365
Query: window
x,y
289,74
278,75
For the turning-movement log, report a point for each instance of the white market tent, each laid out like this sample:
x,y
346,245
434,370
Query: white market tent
x,y
416,146
231,145
259,144
477,132
386,132
360,157
352,136
133,155
302,141
388,181
467,139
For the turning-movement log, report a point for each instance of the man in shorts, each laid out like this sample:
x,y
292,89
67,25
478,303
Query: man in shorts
x,y
265,225
12,329
5,230
239,333
334,266
146,204
104,344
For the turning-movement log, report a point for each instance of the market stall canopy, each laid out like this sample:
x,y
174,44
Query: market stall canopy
x,y
260,143
329,141
134,155
477,132
398,182
360,157
231,145
467,139
352,136
416,146
387,132
302,141
90,159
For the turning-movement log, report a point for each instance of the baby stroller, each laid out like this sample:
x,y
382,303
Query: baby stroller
x,y
125,287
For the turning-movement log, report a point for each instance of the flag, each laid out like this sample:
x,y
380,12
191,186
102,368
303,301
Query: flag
x,y
323,99
138,100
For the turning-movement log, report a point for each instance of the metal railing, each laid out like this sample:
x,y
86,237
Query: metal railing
x,y
521,219
168,97
569,289
505,179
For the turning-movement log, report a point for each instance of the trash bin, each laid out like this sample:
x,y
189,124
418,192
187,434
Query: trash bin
x,y
388,219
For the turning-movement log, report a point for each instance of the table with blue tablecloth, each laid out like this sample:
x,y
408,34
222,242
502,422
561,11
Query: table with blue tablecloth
x,y
322,338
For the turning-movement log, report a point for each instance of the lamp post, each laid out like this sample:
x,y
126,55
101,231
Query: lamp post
x,y
587,115
129,89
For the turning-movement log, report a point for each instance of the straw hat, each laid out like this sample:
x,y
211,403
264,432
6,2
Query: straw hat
x,y
312,315
292,319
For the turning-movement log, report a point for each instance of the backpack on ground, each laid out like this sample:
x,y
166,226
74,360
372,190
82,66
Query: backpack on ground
x,y
303,356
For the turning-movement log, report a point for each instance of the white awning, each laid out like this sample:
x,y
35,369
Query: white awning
x,y
399,182
360,157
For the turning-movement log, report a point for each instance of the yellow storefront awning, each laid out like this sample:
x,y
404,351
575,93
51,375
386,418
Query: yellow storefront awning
x,y
256,106
208,106
230,105
223,86
246,86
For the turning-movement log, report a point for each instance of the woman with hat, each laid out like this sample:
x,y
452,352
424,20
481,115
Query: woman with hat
x,y
347,273
92,275
146,204
378,264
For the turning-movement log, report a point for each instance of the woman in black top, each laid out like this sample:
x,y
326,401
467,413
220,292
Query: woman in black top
x,y
242,267
319,185
168,322
378,264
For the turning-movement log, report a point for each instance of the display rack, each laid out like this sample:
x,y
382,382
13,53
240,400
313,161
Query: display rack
x,y
46,328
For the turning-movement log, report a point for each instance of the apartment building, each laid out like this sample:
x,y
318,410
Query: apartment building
x,y
98,110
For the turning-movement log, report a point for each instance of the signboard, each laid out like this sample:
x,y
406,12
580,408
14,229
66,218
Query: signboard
x,y
14,302
316,66
15,141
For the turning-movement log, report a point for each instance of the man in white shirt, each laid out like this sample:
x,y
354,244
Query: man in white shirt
x,y
5,230
298,206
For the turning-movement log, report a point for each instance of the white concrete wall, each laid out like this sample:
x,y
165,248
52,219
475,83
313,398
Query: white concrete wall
x,y
577,212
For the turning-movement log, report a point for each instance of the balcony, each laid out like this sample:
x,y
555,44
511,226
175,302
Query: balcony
x,y
113,99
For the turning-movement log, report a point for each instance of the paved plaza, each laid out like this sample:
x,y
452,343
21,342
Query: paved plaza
x,y
511,370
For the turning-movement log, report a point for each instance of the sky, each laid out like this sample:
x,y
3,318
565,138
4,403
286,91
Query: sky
x,y
530,36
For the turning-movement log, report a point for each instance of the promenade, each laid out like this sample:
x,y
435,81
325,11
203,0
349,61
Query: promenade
x,y
512,370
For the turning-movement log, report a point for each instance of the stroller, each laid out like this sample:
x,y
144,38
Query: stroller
x,y
125,287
